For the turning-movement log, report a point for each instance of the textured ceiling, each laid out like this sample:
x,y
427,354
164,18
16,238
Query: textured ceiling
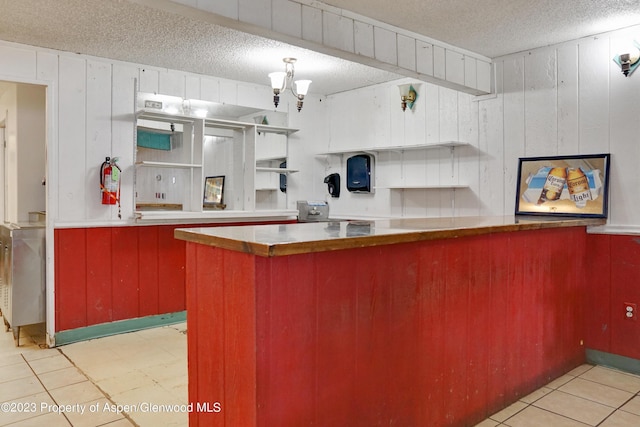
x,y
499,27
128,31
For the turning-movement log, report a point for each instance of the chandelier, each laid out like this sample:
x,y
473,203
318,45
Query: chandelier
x,y
281,79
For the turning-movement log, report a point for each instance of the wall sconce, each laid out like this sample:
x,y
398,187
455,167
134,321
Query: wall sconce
x,y
408,96
280,80
628,60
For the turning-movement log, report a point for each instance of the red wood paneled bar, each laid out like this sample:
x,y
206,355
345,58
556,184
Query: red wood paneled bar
x,y
413,322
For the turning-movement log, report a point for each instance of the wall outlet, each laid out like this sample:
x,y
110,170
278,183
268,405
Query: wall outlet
x,y
630,311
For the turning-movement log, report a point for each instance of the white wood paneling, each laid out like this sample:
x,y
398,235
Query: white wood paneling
x,y
287,17
513,83
386,48
568,135
311,24
17,62
541,101
124,77
424,58
363,39
72,130
593,98
98,134
257,12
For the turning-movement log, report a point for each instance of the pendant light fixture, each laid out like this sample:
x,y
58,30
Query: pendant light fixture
x,y
281,79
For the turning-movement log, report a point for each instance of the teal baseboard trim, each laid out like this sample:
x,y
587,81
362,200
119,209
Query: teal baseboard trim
x,y
615,361
119,327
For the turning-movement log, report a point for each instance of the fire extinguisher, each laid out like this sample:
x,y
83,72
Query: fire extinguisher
x,y
110,182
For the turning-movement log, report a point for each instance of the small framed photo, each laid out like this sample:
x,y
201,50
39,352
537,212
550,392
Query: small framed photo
x,y
213,191
563,186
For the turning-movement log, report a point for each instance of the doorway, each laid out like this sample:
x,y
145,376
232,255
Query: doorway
x,y
23,134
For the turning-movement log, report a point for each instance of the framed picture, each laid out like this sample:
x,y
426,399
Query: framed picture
x,y
563,186
213,191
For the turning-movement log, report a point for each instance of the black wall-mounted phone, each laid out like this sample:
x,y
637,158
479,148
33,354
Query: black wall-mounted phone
x,y
333,183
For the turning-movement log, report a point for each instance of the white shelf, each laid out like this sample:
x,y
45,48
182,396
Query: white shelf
x,y
215,216
271,159
275,129
277,170
160,116
443,144
167,165
267,189
423,187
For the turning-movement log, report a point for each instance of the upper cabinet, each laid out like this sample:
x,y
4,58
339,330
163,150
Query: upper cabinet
x,y
179,144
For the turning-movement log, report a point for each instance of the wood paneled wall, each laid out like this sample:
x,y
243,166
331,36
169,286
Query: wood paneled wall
x,y
432,333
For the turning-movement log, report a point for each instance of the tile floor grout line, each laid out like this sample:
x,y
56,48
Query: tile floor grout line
x,y
104,393
45,387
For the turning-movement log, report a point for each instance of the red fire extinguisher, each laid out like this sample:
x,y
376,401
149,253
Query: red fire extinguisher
x,y
110,182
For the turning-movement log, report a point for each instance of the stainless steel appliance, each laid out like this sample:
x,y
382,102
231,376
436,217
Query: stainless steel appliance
x,y
22,276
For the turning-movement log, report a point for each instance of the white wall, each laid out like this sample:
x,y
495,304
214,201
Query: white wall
x,y
372,117
565,99
559,100
93,118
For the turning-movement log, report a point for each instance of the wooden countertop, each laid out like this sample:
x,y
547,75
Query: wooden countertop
x,y
298,238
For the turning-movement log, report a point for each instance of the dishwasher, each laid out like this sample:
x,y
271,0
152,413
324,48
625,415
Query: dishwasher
x,y
22,276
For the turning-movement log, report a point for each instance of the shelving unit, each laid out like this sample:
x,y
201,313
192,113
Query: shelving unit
x,y
241,185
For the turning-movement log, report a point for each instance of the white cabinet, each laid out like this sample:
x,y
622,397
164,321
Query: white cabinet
x,y
171,170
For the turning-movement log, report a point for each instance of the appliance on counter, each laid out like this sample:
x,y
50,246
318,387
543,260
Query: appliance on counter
x,y
22,275
312,211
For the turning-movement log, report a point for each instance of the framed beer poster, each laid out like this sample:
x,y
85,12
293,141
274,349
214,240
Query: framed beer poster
x,y
563,186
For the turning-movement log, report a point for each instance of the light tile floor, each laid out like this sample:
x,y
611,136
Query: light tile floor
x,y
134,379
149,367
587,396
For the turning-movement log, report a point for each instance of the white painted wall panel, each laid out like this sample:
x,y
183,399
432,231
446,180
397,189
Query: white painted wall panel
x,y
492,192
541,103
47,66
124,77
594,98
406,52
311,24
72,110
228,8
192,87
17,62
386,47
256,12
287,17
149,80
439,63
209,89
337,31
454,67
98,134
424,58
171,83
513,83
568,132
363,39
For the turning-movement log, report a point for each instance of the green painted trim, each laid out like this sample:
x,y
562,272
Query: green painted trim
x,y
615,361
119,327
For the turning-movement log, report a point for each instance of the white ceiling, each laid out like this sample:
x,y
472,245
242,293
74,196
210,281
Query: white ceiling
x,y
129,31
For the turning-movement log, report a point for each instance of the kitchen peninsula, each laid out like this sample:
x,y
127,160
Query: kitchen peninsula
x,y
408,322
